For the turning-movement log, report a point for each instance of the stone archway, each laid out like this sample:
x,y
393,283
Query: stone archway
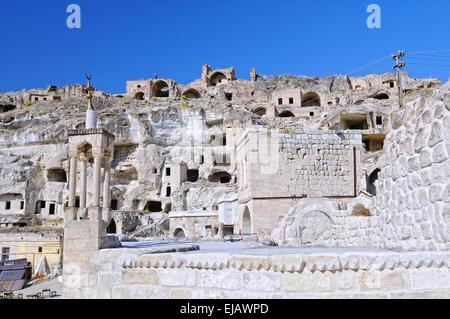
x,y
371,180
308,223
161,89
179,233
261,111
218,78
191,94
112,227
246,222
312,226
139,96
310,99
286,114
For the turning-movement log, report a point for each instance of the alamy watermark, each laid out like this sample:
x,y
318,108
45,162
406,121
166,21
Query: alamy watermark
x,y
74,19
374,19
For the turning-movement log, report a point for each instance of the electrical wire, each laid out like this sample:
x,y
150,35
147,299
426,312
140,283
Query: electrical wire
x,y
379,61
428,52
428,64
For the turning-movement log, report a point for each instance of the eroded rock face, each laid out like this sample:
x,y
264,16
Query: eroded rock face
x,y
157,167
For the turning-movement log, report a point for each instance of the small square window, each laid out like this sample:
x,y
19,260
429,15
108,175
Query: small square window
x,y
291,100
52,209
280,101
36,99
40,250
43,204
114,204
379,120
5,254
312,114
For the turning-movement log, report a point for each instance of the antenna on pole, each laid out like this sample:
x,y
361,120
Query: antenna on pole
x,y
398,68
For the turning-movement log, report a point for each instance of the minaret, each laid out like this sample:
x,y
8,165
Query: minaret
x,y
91,116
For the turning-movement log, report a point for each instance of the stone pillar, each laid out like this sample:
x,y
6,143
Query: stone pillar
x,y
83,178
97,181
253,75
72,181
91,119
106,184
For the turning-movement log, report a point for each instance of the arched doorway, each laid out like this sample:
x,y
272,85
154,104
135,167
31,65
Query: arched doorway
x,y
261,111
153,207
371,180
161,89
139,96
246,222
112,227
381,96
191,94
57,175
287,114
218,78
310,99
179,234
220,177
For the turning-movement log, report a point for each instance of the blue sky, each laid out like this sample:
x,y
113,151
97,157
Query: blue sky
x,y
124,40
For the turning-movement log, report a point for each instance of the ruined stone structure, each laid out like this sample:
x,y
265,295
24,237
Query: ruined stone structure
x,y
291,161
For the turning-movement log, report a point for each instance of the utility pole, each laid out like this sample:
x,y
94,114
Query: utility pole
x,y
398,67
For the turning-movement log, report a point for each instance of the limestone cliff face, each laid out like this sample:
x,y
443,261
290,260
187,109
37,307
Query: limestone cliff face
x,y
149,135
170,154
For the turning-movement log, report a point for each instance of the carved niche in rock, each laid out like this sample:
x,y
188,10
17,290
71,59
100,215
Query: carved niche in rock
x,y
312,227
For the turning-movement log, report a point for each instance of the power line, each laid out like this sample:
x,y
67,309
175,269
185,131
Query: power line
x,y
434,59
428,52
368,65
428,64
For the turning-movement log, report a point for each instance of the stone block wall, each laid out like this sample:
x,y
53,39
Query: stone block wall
x,y
413,190
327,222
223,276
313,164
320,164
193,224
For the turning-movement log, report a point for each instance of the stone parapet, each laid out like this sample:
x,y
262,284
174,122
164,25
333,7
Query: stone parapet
x,y
315,275
295,263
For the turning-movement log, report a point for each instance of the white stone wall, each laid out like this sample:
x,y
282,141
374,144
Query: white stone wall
x,y
413,190
222,276
330,223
